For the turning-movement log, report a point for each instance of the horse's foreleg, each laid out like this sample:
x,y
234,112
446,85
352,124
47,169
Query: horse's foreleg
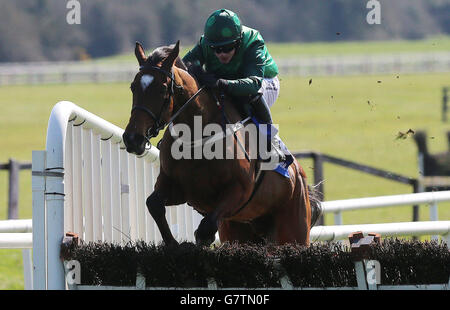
x,y
166,193
156,204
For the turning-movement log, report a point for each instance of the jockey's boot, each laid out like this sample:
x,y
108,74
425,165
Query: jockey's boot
x,y
262,113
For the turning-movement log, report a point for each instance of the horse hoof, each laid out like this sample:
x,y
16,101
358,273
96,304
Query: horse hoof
x,y
199,241
204,241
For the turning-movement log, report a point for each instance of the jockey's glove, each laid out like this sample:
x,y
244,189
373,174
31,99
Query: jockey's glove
x,y
208,80
203,77
221,84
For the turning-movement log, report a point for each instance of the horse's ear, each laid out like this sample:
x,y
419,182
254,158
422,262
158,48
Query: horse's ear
x,y
140,54
170,60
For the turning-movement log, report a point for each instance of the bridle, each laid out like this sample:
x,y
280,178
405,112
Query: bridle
x,y
158,124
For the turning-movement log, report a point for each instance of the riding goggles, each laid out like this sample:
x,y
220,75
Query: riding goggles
x,y
224,49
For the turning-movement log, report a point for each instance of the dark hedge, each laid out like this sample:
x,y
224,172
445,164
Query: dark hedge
x,y
412,262
255,266
320,265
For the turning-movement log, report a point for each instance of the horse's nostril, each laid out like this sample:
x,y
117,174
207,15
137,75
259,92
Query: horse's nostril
x,y
128,141
134,142
127,138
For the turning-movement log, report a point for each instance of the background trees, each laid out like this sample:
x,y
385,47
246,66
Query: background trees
x,y
34,30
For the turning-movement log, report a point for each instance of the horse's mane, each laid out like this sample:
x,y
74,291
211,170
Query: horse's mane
x,y
160,53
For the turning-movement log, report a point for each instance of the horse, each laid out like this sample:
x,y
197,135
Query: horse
x,y
230,193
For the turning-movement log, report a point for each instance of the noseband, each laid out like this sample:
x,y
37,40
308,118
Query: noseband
x,y
158,123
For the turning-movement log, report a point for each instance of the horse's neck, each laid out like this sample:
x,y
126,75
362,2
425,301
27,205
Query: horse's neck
x,y
206,106
203,105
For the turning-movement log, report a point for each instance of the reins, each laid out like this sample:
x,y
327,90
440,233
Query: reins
x,y
185,105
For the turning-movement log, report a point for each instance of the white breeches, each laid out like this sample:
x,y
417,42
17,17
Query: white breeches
x,y
270,90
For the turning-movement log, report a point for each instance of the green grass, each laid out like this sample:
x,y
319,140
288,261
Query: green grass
x,y
434,44
11,270
282,50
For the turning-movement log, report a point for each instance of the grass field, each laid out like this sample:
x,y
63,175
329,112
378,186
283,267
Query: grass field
x,y
283,50
355,118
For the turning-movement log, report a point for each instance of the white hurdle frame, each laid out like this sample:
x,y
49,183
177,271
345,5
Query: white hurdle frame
x,y
85,182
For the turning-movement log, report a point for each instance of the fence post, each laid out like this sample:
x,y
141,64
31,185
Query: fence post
x,y
444,104
27,269
13,199
360,252
39,238
416,189
318,180
434,216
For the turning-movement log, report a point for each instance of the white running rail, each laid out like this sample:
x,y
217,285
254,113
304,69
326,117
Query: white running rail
x,y
341,232
16,234
304,65
430,198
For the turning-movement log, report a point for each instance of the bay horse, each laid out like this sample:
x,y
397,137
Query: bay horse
x,y
225,191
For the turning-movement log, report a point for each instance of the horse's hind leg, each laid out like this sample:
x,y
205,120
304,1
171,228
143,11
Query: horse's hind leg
x,y
206,231
290,227
231,199
293,219
238,232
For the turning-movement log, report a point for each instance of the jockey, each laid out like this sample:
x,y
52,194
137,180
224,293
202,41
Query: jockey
x,y
237,62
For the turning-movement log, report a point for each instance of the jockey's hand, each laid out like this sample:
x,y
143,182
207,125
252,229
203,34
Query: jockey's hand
x,y
203,77
195,70
208,80
221,84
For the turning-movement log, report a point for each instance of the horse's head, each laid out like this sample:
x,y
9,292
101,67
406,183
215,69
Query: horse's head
x,y
153,90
